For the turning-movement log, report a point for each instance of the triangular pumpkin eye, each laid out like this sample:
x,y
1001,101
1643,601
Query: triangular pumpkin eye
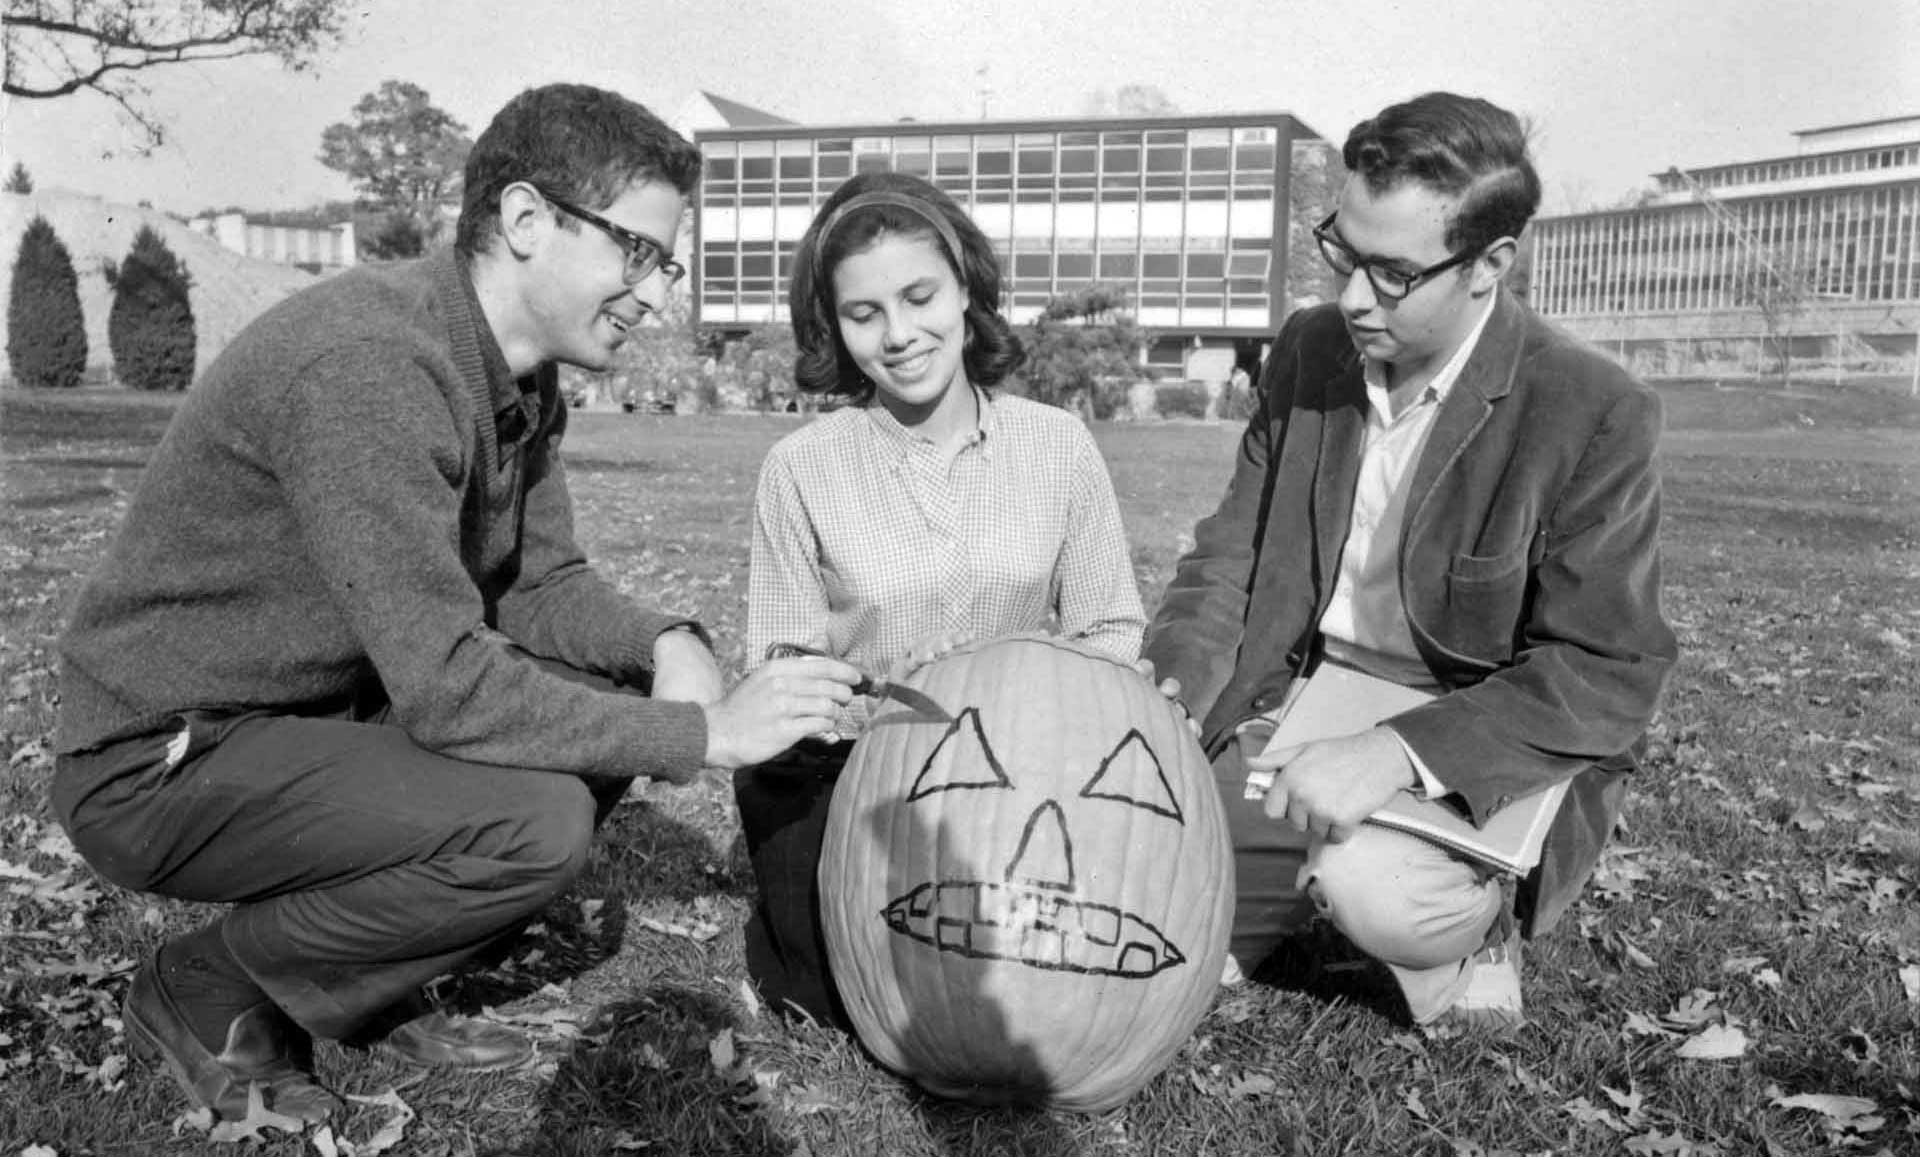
x,y
1132,774
963,760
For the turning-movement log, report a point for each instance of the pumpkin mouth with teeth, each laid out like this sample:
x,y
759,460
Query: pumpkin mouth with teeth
x,y
1029,925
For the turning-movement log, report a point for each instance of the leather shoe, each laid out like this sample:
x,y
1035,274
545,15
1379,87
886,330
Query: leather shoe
x,y
439,1040
263,1047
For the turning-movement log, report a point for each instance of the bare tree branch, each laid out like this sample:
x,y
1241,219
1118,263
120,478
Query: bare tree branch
x,y
57,48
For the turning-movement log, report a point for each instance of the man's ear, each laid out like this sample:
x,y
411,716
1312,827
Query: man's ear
x,y
525,218
1494,263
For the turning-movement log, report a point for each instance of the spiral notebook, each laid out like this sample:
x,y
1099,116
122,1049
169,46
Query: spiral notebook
x,y
1336,701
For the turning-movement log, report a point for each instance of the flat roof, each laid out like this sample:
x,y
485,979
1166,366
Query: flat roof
x,y
1873,124
1696,170
1083,124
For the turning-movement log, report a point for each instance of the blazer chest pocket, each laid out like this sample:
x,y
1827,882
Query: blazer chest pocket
x,y
1488,568
1486,601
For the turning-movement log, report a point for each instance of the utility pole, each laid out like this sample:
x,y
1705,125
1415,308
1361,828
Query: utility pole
x,y
983,89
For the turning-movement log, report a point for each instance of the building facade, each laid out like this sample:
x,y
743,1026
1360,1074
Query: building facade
x,y
1814,255
1189,215
317,250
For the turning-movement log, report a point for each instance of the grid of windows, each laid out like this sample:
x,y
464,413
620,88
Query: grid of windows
x,y
1856,244
1184,217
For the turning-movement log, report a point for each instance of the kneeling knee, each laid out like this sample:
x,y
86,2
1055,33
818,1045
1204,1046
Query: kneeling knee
x,y
550,840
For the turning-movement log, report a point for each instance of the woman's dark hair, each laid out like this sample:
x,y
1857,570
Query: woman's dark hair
x,y
577,142
823,365
1460,146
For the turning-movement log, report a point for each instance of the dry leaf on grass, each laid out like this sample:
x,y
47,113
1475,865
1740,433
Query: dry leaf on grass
x,y
1838,1109
1910,980
248,1128
1718,1042
698,931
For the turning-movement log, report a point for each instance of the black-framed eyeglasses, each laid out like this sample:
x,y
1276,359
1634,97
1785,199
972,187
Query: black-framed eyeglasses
x,y
644,254
1388,283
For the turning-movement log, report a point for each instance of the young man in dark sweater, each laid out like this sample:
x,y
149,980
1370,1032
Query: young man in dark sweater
x,y
344,666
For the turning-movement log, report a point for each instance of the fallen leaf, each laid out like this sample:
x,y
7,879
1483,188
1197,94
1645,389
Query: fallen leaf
x,y
1714,1043
1587,1113
1416,1106
1830,1105
721,1053
393,1131
699,931
258,1117
1910,980
1807,818
1654,1141
1253,1085
39,1151
1640,1024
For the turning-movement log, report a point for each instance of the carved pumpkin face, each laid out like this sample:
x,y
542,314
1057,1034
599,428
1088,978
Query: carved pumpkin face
x,y
1033,911
1031,901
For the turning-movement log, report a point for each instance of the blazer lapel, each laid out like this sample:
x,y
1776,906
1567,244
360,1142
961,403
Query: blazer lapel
x,y
1486,378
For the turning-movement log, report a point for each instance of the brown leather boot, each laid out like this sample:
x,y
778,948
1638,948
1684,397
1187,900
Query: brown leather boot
x,y
262,1047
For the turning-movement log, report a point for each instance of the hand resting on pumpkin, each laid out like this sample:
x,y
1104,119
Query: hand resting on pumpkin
x,y
1170,688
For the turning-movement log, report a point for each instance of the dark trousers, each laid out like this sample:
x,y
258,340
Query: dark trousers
x,y
783,816
359,865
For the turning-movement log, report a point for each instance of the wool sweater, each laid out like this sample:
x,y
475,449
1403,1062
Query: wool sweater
x,y
357,498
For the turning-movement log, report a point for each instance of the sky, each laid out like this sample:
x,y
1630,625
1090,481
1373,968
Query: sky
x,y
1615,89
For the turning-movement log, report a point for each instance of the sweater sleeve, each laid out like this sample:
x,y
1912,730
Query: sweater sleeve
x,y
559,606
372,455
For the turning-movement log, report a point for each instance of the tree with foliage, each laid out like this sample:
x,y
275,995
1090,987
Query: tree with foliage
x,y
1314,181
1131,100
1083,351
404,157
150,328
55,48
46,330
19,180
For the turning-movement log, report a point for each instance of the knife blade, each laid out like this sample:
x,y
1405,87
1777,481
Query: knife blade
x,y
911,697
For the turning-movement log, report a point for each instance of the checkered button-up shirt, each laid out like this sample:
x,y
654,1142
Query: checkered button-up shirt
x,y
868,534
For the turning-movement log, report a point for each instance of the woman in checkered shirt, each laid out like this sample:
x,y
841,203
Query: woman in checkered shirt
x,y
924,511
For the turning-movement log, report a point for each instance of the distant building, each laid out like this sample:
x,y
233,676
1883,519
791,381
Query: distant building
x,y
1827,241
317,250
1189,214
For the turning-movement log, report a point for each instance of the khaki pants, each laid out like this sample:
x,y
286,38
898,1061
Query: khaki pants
x,y
1403,901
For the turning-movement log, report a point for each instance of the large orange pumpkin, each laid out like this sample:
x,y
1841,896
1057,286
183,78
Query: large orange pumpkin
x,y
1029,902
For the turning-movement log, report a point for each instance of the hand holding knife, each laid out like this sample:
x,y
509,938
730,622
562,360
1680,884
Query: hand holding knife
x,y
919,701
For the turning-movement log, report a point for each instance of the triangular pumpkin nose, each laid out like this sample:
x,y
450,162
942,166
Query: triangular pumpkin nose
x,y
1044,858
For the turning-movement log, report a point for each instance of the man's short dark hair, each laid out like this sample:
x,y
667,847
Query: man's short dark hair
x,y
1459,146
577,142
823,365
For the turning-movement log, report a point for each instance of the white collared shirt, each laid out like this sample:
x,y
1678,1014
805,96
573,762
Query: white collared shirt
x,y
1365,624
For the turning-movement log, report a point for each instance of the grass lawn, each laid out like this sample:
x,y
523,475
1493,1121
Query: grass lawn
x,y
1742,977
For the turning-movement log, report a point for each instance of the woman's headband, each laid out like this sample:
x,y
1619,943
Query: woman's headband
x,y
914,205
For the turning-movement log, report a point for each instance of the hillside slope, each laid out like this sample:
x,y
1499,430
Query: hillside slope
x,y
229,290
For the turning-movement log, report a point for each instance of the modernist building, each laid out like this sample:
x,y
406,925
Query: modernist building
x,y
316,250
1189,214
1819,250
